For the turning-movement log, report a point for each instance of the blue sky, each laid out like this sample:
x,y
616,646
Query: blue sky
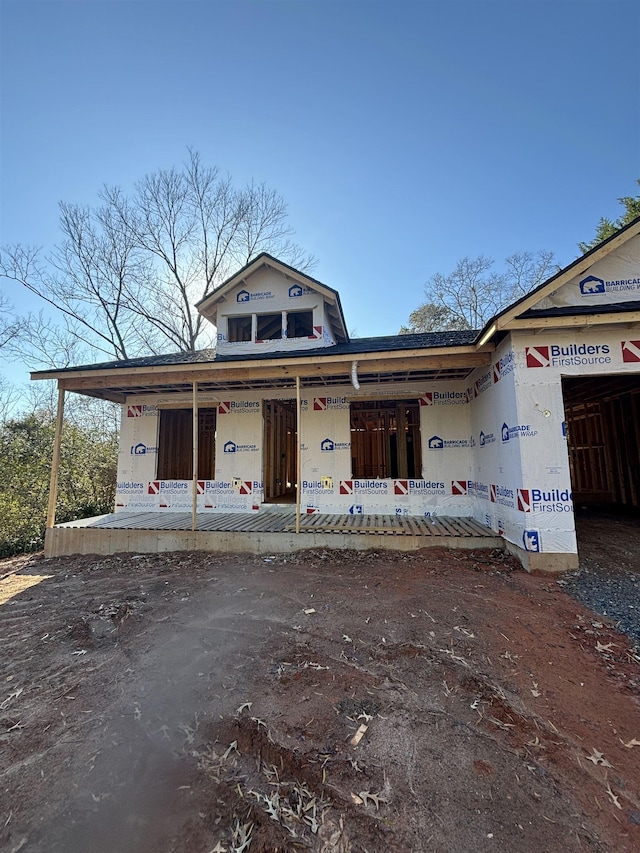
x,y
403,135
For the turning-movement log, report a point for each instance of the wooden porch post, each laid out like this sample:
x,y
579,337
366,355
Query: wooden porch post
x,y
194,497
298,455
55,461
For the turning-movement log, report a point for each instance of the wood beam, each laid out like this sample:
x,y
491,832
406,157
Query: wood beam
x,y
194,485
120,380
568,274
301,364
298,455
55,461
573,321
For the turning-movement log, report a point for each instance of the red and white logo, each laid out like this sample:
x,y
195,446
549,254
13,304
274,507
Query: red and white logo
x,y
497,376
400,487
201,488
458,487
523,500
537,356
246,487
317,333
312,509
224,408
427,399
492,492
630,351
346,487
134,411
319,404
154,487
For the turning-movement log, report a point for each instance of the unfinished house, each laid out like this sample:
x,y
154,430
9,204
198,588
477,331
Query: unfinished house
x,y
290,435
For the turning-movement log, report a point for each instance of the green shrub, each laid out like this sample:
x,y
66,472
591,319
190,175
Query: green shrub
x,y
86,478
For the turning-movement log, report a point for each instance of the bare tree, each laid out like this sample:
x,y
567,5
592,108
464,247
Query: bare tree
x,y
196,229
127,273
430,317
10,325
527,270
474,292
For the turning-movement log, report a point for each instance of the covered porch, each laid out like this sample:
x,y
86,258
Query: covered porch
x,y
269,531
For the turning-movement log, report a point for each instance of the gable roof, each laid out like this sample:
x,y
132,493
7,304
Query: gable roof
x,y
208,306
517,314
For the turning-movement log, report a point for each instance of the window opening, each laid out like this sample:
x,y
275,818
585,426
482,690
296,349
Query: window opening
x,y
175,444
239,329
269,327
300,324
385,439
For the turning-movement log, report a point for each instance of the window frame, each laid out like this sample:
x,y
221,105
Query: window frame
x,y
296,314
174,459
273,315
244,319
392,448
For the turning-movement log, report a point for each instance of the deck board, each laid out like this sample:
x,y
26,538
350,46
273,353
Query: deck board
x,y
275,522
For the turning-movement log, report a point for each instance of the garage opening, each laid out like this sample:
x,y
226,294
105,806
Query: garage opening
x,y
603,434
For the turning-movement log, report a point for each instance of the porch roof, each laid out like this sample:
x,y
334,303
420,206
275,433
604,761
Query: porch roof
x,y
394,358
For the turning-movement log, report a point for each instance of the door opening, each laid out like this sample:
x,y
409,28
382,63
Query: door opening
x,y
279,451
603,434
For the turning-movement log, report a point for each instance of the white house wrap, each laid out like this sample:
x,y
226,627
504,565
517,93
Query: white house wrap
x,y
503,425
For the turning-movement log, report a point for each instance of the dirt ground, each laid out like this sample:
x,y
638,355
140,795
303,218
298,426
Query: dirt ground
x,y
331,701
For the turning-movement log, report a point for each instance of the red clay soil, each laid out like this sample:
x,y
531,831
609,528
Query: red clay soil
x,y
329,701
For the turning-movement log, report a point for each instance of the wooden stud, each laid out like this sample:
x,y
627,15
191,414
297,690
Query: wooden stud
x,y
55,461
194,498
298,454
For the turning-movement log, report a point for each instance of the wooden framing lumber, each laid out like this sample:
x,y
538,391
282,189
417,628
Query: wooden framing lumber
x,y
194,484
55,461
298,455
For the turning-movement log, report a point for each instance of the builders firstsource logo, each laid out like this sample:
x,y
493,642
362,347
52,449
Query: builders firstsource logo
x,y
444,398
544,500
323,404
554,355
501,495
504,366
418,487
141,411
630,351
364,487
239,407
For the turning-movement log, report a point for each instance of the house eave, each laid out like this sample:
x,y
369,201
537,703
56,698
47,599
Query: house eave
x,y
397,365
511,317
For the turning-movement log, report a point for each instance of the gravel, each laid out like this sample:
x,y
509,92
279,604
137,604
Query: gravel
x,y
614,595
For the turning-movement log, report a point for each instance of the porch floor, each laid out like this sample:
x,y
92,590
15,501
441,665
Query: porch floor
x,y
278,522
